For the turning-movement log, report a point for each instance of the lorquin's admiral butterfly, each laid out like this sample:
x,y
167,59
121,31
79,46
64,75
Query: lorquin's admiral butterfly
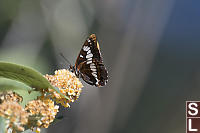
x,y
89,63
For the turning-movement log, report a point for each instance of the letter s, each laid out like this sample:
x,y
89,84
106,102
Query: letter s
x,y
193,108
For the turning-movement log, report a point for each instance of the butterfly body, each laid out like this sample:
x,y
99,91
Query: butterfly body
x,y
89,63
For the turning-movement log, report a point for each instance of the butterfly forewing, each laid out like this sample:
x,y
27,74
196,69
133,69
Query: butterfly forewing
x,y
89,64
89,48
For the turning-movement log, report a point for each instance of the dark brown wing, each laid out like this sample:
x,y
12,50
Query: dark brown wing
x,y
90,46
94,73
86,74
89,63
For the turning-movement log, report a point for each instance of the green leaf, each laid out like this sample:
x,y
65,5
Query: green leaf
x,y
20,88
8,84
26,75
23,74
2,125
27,96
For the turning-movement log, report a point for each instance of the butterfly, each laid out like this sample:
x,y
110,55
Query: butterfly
x,y
89,63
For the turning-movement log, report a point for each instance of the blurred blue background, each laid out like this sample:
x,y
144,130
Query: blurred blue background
x,y
150,48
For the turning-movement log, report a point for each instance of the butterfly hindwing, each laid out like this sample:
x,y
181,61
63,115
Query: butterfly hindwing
x,y
86,74
94,73
89,64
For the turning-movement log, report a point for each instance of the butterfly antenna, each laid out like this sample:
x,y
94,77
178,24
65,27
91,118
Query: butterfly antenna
x,y
65,59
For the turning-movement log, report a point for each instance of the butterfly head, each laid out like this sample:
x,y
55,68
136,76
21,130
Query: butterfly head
x,y
71,68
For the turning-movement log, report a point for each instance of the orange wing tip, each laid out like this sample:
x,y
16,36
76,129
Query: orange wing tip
x,y
93,37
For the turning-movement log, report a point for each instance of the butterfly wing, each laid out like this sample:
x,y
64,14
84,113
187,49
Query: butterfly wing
x,y
89,63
